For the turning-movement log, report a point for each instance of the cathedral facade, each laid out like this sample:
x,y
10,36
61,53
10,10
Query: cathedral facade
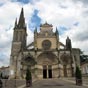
x,y
44,56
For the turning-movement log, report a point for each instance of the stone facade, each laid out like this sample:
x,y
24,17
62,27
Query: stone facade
x,y
45,59
84,68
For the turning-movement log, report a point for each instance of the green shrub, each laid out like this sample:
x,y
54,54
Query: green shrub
x,y
28,75
78,74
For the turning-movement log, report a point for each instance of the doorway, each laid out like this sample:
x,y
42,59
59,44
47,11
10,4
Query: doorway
x,y
44,71
47,71
50,73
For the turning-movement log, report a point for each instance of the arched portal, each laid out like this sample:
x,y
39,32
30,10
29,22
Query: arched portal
x,y
48,61
27,62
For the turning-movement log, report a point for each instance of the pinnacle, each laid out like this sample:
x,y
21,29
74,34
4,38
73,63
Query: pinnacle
x,y
21,22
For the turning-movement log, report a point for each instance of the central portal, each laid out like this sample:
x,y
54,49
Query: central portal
x,y
47,71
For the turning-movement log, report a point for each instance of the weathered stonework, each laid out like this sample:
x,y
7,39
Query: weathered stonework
x,y
46,59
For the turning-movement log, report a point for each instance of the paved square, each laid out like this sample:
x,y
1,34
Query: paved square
x,y
46,83
54,83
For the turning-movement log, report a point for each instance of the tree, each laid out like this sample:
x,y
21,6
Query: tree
x,y
28,75
78,76
78,73
28,78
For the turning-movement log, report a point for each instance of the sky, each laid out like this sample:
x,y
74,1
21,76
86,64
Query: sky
x,y
69,16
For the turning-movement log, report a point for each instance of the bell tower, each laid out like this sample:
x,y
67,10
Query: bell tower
x,y
19,35
18,43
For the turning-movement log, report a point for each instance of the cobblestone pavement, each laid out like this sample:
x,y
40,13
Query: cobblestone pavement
x,y
54,83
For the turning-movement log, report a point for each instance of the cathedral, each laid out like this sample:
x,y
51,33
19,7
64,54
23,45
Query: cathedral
x,y
46,56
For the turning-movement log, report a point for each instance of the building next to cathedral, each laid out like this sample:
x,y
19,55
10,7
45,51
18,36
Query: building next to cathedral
x,y
44,56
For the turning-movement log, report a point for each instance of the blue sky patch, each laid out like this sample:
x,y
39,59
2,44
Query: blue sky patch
x,y
62,29
1,4
23,1
35,20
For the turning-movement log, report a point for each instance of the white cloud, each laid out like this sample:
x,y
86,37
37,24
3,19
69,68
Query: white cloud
x,y
56,12
9,12
4,1
67,13
30,36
